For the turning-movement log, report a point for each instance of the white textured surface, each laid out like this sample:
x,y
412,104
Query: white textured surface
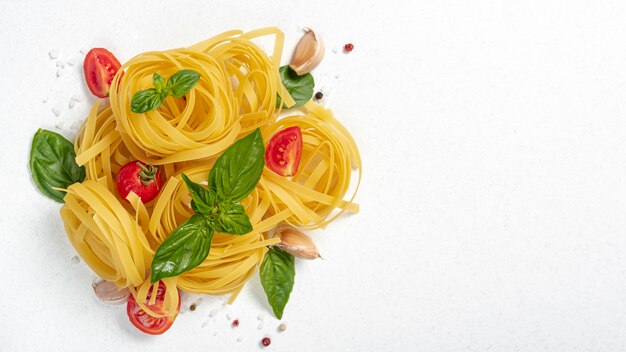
x,y
493,135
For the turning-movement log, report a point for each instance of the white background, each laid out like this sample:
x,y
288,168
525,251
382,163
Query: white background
x,y
493,135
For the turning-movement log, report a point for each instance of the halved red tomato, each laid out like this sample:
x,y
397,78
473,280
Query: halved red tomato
x,y
144,321
100,67
284,151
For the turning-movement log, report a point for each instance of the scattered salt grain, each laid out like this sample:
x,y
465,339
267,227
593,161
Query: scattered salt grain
x,y
60,72
71,103
76,125
214,333
240,338
213,313
205,323
56,111
45,100
73,61
261,316
228,316
337,76
77,98
335,49
53,54
58,126
60,64
260,326
75,259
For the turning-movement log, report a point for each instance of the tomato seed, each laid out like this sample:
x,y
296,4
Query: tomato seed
x,y
266,341
235,323
348,47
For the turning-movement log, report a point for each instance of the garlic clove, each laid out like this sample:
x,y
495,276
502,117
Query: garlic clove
x,y
308,54
296,243
109,293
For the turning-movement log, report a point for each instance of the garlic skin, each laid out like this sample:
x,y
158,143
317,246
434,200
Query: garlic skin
x,y
296,243
107,292
308,54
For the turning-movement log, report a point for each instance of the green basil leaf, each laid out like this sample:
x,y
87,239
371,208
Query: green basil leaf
x,y
184,249
203,199
277,277
232,219
158,82
237,171
146,100
53,164
299,87
181,82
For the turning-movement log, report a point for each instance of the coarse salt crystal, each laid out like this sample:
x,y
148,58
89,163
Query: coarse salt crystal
x,y
76,125
60,64
60,72
73,61
213,313
53,54
45,100
77,98
260,326
56,111
228,316
240,338
71,103
335,49
261,316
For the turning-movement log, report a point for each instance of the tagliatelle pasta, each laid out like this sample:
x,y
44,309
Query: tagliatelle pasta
x,y
236,94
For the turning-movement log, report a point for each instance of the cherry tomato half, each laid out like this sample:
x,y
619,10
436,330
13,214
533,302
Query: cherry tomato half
x,y
144,321
284,151
100,67
143,179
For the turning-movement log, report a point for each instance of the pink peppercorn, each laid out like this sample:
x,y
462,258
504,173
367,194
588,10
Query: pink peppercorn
x,y
266,341
235,323
348,47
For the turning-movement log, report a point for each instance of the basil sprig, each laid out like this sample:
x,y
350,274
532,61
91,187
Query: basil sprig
x,y
299,87
234,175
53,164
177,85
277,277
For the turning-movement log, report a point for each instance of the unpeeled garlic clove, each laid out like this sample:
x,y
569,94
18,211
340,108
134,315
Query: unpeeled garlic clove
x,y
296,243
109,293
308,54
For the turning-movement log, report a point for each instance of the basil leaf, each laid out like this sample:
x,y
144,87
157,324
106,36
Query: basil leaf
x,y
146,100
184,249
53,164
158,82
181,82
237,171
203,199
277,277
232,219
299,87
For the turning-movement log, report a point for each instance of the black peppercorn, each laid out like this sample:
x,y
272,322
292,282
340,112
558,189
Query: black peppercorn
x,y
319,95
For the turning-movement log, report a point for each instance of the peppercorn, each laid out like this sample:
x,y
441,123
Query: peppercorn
x,y
319,95
348,47
266,341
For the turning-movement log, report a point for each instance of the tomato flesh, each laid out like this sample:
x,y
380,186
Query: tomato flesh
x,y
142,179
284,151
100,67
144,321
